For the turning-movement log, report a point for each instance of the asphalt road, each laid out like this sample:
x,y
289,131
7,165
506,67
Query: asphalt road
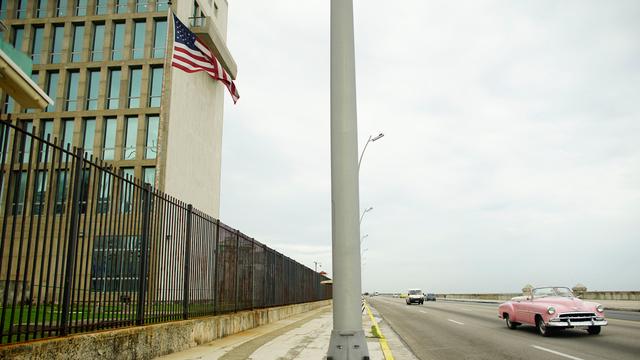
x,y
456,330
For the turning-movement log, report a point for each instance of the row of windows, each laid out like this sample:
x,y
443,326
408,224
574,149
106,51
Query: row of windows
x,y
109,147
23,9
39,186
75,51
81,90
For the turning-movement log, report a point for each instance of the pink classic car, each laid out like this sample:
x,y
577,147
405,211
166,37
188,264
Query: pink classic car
x,y
552,308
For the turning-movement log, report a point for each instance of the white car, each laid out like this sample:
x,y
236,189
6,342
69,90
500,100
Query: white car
x,y
414,296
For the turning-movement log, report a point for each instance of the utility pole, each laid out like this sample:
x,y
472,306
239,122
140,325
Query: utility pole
x,y
347,337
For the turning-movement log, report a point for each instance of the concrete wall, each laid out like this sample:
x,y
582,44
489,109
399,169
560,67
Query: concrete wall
x,y
148,342
589,295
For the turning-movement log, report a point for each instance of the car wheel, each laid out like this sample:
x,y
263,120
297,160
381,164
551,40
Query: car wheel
x,y
594,330
510,325
542,327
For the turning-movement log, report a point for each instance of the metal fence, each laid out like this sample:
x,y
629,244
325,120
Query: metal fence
x,y
85,247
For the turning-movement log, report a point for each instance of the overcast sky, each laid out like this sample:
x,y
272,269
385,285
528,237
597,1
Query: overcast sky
x,y
511,153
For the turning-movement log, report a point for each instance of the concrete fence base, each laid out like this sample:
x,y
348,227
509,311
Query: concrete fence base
x,y
150,341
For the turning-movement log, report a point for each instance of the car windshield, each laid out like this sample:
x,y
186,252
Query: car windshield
x,y
552,291
415,292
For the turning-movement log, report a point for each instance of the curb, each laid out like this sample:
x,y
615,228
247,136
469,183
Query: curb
x,y
386,351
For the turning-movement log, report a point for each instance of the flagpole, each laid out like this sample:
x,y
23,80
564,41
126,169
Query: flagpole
x,y
164,106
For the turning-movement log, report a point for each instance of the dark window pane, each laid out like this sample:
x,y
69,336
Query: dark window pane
x,y
78,40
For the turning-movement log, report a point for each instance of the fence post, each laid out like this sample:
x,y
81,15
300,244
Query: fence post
x,y
144,255
215,269
253,268
72,242
235,309
187,262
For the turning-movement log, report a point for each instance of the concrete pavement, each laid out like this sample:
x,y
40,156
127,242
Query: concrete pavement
x,y
304,336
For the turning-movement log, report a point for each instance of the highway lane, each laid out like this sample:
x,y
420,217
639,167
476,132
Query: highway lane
x,y
452,330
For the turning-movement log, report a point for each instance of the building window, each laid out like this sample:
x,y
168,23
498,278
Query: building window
x,y
8,105
130,138
58,42
41,9
151,144
135,78
61,190
35,76
3,9
149,175
84,192
36,44
81,7
97,45
113,95
61,8
19,192
93,89
115,263
155,91
24,151
162,5
52,88
103,193
39,197
71,100
101,7
122,6
78,42
18,37
142,5
67,132
138,40
159,38
118,41
109,138
89,135
46,132
21,9
127,190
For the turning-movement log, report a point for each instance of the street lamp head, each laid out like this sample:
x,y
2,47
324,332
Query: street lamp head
x,y
377,137
369,209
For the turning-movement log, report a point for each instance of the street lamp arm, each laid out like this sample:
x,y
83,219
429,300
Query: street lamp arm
x,y
362,153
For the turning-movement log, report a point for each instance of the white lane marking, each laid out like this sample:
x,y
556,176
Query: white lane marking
x,y
422,311
556,352
457,322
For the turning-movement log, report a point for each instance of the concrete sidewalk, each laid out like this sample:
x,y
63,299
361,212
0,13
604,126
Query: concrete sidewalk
x,y
304,336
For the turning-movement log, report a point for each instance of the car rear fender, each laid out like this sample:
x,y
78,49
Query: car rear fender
x,y
506,308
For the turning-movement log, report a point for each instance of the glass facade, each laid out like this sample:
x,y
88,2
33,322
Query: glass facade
x,y
25,143
21,9
130,138
18,37
113,92
109,138
127,190
46,132
151,143
142,5
61,190
72,91
135,78
117,43
89,135
155,90
67,132
3,9
97,45
93,89
78,40
35,76
139,32
101,7
149,175
57,45
39,195
121,6
20,188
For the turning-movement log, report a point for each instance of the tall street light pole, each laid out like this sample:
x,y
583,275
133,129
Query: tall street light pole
x,y
347,337
371,139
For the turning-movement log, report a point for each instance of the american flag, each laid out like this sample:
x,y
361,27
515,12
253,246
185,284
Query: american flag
x,y
192,55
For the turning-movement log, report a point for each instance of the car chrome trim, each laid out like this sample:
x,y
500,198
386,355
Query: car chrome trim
x,y
577,323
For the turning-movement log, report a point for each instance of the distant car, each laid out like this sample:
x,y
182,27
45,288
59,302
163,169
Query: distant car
x,y
553,308
429,297
414,296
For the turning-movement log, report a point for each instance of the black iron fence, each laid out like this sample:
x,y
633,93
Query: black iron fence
x,y
85,247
